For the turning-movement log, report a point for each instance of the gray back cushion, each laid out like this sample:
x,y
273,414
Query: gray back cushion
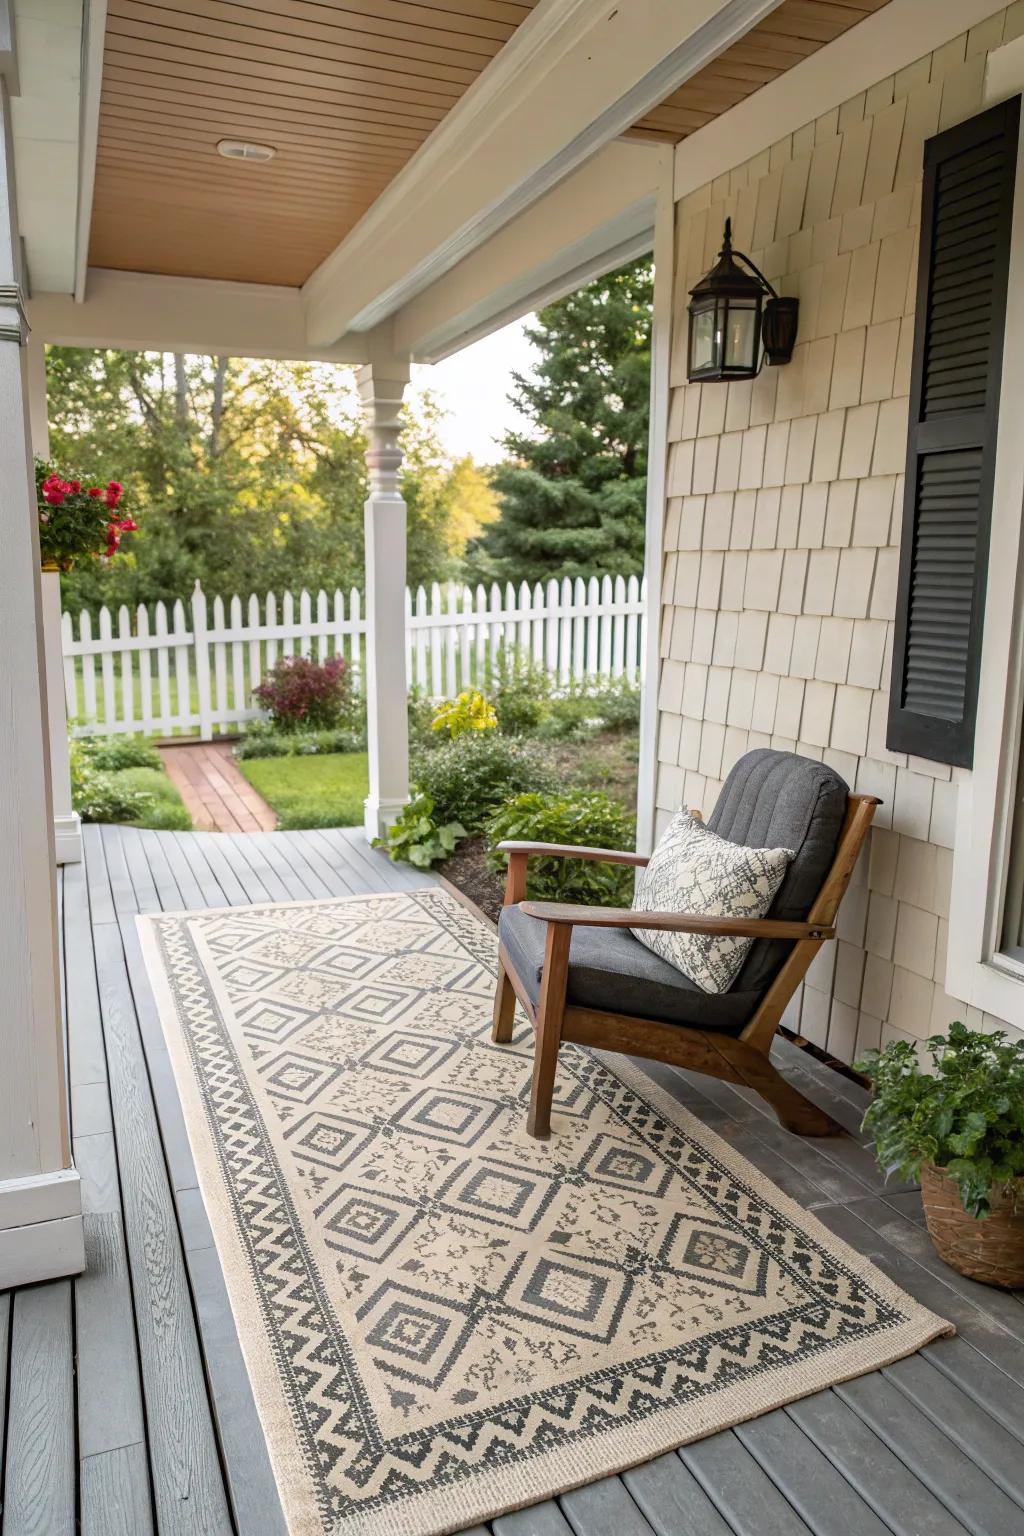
x,y
779,800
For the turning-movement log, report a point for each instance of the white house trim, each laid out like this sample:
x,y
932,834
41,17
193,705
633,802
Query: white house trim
x,y
975,970
657,466
95,24
35,1152
597,218
896,35
594,260
574,76
136,311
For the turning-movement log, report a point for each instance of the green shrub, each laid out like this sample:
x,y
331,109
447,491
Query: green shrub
x,y
593,820
262,740
419,836
422,709
470,777
164,810
108,797
520,688
109,754
586,708
966,1116
122,779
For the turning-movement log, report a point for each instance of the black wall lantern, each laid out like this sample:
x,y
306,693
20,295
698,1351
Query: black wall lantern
x,y
733,315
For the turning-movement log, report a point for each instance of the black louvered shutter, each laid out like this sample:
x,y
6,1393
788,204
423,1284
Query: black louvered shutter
x,y
954,401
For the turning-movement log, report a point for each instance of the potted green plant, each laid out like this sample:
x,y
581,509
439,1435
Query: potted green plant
x,y
959,1128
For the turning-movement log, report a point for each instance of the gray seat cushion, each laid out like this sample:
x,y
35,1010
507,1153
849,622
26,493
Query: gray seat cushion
x,y
611,971
770,800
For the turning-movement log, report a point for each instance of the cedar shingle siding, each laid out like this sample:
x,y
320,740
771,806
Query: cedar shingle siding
x,y
783,525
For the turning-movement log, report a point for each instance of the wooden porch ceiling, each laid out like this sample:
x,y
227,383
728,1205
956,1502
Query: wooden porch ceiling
x,y
792,33
345,91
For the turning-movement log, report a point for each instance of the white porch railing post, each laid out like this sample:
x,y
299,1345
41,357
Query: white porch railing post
x,y
67,824
381,388
201,651
40,1195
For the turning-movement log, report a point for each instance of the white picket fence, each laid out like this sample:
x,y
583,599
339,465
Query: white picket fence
x,y
190,668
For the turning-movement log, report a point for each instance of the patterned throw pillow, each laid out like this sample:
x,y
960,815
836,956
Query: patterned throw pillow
x,y
694,870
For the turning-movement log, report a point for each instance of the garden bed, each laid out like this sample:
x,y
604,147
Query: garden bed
x,y
122,779
606,762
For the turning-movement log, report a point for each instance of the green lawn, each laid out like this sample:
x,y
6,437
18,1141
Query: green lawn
x,y
314,791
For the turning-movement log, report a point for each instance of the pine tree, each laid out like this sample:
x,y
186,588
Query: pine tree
x,y
572,491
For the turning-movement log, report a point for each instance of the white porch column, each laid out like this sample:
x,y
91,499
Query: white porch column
x,y
381,388
40,1204
67,824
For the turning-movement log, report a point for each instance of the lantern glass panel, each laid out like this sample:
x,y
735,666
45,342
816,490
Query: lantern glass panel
x,y
741,334
704,342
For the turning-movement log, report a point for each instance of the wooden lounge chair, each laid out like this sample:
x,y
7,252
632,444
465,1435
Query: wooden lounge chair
x,y
581,975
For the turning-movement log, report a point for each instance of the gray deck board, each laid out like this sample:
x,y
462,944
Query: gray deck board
x,y
39,1483
672,1501
996,1450
154,1411
188,1484
805,1476
935,1459
740,1488
897,1497
205,851
604,1508
114,1495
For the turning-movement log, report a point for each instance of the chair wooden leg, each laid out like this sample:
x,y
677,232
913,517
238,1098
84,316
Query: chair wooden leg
x,y
550,1012
795,1113
504,1008
545,1065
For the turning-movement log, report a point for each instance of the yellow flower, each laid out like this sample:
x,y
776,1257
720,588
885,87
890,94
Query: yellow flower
x,y
470,711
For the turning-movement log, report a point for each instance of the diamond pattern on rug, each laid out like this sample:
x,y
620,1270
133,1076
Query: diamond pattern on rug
x,y
444,1318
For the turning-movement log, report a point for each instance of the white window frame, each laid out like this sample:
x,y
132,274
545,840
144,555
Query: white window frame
x,y
976,971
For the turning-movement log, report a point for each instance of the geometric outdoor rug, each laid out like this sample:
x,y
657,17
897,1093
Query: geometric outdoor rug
x,y
444,1319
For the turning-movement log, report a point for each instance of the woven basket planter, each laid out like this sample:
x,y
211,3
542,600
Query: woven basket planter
x,y
991,1250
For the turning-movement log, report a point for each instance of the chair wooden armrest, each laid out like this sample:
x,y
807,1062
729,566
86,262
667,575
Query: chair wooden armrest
x,y
674,922
520,853
569,851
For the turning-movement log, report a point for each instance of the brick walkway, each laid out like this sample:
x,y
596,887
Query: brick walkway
x,y
217,795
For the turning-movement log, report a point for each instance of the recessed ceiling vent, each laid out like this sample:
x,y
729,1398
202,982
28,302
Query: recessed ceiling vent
x,y
234,149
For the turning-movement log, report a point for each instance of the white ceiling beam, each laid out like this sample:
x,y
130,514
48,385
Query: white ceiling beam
x,y
45,123
137,312
89,132
574,75
596,219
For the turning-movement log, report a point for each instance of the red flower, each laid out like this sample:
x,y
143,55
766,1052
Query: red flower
x,y
94,490
114,493
75,486
129,525
53,496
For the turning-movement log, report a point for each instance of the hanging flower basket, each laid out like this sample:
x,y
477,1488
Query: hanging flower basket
x,y
77,521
